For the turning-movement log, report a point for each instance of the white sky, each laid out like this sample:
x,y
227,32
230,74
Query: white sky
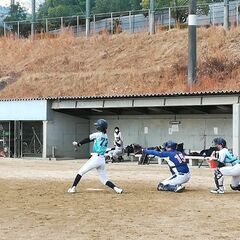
x,y
24,3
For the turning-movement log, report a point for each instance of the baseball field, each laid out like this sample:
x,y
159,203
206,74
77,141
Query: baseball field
x,y
35,204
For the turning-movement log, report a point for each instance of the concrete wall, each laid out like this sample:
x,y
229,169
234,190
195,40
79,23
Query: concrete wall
x,y
62,130
196,131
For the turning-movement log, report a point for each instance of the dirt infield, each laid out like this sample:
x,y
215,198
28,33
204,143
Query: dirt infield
x,y
35,205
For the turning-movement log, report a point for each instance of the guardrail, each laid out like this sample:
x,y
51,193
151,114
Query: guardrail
x,y
127,21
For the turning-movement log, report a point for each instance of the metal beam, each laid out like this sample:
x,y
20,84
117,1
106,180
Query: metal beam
x,y
141,110
183,101
148,102
163,110
225,108
118,103
114,111
197,109
80,113
219,100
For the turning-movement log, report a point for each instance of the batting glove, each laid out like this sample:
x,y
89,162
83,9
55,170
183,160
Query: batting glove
x,y
75,144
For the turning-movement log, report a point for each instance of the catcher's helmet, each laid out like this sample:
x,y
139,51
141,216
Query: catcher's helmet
x,y
170,144
220,141
101,125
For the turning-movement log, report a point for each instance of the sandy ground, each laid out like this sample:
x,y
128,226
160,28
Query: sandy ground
x,y
35,205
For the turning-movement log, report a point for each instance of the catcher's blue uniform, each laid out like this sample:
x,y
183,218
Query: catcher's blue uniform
x,y
175,160
178,167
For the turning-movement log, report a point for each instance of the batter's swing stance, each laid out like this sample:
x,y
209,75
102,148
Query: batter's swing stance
x,y
97,160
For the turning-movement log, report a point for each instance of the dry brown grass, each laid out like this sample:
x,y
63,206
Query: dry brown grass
x,y
119,64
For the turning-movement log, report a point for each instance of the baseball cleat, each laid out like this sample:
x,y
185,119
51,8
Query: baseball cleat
x,y
179,188
160,187
217,191
118,190
235,188
72,189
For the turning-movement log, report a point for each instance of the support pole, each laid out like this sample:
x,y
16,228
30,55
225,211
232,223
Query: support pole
x,y
44,146
152,17
33,19
192,42
77,26
213,16
94,23
4,29
18,29
111,23
237,18
87,18
15,140
226,15
130,22
236,129
46,25
61,23
169,18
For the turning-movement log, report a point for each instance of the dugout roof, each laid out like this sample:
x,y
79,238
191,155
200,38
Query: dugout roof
x,y
191,103
212,102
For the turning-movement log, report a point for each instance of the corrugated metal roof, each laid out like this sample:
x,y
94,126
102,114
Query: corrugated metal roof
x,y
199,93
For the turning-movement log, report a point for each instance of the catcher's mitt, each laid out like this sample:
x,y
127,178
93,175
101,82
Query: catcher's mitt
x,y
137,149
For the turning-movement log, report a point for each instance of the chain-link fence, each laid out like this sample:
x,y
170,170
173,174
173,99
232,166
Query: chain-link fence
x,y
128,21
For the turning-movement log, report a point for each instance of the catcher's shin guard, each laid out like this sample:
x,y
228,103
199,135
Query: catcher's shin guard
x,y
218,177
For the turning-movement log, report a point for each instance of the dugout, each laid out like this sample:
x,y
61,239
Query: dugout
x,y
53,123
192,118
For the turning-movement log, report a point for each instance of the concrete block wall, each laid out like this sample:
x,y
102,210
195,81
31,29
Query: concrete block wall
x,y
196,131
62,130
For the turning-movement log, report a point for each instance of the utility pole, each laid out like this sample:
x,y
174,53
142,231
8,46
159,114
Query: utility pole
x,y
87,18
192,42
33,18
226,15
152,17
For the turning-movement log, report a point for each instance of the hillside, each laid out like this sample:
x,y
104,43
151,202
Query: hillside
x,y
119,64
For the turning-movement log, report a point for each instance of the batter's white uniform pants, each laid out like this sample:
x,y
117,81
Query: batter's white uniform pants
x,y
97,162
177,179
233,171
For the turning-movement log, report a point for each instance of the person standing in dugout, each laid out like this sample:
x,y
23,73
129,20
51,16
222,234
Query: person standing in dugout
x,y
117,151
227,165
97,160
177,164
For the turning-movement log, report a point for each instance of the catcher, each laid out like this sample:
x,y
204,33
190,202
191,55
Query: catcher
x,y
228,165
177,164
